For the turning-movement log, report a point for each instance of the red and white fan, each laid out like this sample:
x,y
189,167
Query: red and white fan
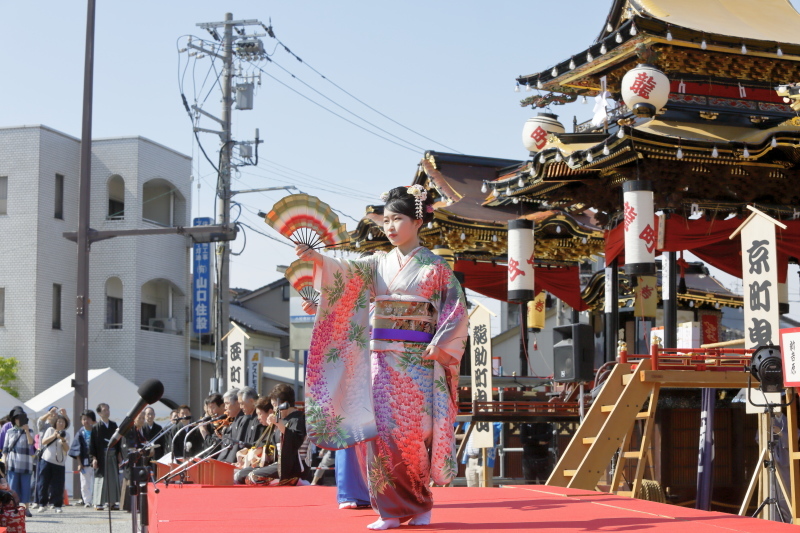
x,y
305,219
301,276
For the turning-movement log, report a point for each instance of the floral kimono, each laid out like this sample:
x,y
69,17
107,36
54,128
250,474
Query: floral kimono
x,y
407,415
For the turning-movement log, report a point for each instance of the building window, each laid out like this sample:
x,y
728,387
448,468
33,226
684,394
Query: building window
x,y
286,293
113,313
2,306
56,306
113,303
59,207
3,195
148,313
116,198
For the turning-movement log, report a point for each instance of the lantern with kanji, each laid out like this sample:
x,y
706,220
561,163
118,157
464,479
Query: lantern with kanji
x,y
520,260
536,130
537,311
640,228
645,90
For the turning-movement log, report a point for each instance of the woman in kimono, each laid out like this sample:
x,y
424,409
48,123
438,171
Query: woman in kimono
x,y
410,356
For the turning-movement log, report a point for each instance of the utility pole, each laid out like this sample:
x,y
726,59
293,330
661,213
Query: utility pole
x,y
247,47
81,381
224,203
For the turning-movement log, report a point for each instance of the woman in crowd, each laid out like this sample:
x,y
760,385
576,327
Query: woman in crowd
x,y
55,445
18,455
418,336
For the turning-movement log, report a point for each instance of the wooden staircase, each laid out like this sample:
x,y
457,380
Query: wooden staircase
x,y
607,428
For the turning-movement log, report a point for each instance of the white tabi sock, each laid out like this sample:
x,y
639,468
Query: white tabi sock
x,y
381,524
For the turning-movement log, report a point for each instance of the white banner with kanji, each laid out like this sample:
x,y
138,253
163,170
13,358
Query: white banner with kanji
x,y
790,354
760,280
236,357
480,334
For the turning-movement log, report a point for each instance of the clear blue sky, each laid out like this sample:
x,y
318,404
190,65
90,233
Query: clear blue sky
x,y
445,69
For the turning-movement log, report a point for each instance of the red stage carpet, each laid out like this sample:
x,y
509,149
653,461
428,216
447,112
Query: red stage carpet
x,y
199,509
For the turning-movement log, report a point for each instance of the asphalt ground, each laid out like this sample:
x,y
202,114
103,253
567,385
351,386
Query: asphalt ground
x,y
78,519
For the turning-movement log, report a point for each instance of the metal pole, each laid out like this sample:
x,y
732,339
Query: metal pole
x,y
669,294
581,392
523,338
612,310
81,381
224,202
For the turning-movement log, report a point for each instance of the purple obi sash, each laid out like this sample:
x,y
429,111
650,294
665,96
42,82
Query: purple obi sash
x,y
408,335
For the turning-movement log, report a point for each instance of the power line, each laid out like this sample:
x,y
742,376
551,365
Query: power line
x,y
340,105
286,48
334,112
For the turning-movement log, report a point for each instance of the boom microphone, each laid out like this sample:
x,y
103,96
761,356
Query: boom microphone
x,y
149,392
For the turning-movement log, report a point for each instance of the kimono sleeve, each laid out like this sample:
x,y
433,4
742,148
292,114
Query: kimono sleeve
x,y
451,325
338,398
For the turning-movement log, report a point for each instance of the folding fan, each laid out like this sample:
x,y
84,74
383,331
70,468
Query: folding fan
x,y
301,276
305,219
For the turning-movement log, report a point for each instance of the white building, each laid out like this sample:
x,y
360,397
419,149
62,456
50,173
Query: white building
x,y
139,286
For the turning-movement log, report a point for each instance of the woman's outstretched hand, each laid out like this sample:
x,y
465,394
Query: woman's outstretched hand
x,y
307,253
436,354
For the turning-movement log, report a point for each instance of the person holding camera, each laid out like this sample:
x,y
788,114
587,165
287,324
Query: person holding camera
x,y
18,455
55,445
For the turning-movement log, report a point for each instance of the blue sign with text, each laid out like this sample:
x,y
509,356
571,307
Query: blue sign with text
x,y
201,286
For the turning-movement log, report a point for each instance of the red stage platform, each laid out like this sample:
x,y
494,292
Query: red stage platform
x,y
205,509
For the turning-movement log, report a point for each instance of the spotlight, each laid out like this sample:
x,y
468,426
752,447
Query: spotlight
x,y
766,366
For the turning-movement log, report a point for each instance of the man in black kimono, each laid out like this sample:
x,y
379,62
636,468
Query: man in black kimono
x,y
106,477
235,433
150,430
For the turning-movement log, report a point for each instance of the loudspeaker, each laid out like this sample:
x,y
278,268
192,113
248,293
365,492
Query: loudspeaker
x,y
573,353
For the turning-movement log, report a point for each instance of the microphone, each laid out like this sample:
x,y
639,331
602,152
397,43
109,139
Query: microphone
x,y
183,417
150,392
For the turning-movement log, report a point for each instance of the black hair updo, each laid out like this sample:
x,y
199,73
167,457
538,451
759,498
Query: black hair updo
x,y
400,201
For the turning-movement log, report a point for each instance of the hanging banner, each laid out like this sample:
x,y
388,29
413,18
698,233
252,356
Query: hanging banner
x,y
537,311
520,260
710,329
480,334
609,302
760,279
639,224
254,370
236,357
790,354
201,283
646,297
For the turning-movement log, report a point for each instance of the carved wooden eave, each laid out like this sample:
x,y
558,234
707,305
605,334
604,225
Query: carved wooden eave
x,y
751,46
560,238
711,166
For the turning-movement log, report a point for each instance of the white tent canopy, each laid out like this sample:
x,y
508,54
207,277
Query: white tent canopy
x,y
105,385
7,403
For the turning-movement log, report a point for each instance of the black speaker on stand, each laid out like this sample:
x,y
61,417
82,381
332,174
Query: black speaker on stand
x,y
573,353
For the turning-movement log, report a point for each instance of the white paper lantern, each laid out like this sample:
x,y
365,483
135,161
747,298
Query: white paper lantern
x,y
645,90
640,228
520,260
536,130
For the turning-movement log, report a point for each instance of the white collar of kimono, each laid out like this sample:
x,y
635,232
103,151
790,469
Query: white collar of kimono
x,y
404,259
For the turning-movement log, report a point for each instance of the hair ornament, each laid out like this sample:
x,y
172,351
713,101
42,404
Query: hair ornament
x,y
420,194
429,208
384,196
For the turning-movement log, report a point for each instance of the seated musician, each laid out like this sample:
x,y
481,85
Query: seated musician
x,y
253,428
233,434
262,452
290,425
214,407
192,439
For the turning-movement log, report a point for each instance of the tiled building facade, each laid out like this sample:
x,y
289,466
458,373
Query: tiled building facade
x,y
139,286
